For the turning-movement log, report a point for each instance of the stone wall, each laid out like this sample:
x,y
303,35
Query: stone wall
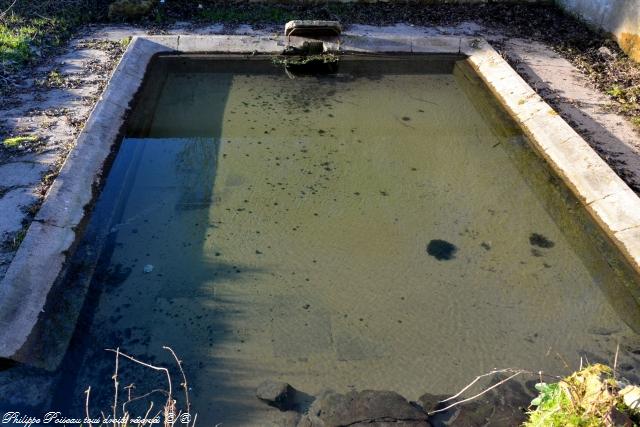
x,y
621,18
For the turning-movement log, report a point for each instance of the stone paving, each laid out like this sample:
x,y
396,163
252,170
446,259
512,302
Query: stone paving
x,y
54,101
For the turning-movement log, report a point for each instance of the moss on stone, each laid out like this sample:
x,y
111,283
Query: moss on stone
x,y
18,141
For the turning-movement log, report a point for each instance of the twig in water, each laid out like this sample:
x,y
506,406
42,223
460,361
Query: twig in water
x,y
476,395
134,399
478,378
168,411
515,372
115,386
184,377
86,406
155,368
615,361
3,13
566,365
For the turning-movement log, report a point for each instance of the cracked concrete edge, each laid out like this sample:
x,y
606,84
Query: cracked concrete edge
x,y
24,290
607,198
41,256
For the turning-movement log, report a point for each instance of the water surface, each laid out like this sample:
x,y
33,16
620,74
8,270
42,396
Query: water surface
x,y
386,228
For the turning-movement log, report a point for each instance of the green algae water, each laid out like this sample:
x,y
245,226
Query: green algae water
x,y
386,227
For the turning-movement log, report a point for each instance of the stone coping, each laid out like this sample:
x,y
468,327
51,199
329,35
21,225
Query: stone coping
x,y
52,234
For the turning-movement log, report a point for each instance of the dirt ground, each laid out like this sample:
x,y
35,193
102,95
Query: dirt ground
x,y
582,74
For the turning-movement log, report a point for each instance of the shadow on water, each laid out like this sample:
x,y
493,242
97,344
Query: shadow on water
x,y
160,264
139,279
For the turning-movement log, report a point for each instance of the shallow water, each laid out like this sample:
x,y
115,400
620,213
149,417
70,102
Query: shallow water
x,y
375,229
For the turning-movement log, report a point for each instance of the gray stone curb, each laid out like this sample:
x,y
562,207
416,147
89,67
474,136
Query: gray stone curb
x,y
609,200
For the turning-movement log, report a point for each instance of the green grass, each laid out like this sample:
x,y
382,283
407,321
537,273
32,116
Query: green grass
x,y
17,239
616,91
54,79
584,399
31,28
15,44
17,141
22,40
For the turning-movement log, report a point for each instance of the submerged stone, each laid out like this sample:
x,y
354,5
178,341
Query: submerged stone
x,y
433,402
541,241
364,408
277,394
503,406
441,249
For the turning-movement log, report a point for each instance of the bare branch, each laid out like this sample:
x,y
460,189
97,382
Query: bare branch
x,y
615,361
115,386
86,406
133,399
4,13
146,414
184,377
477,395
155,368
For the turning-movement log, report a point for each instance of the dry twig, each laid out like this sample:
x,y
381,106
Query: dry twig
x,y
169,409
515,372
4,13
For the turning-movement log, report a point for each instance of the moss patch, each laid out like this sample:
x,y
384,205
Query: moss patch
x,y
19,141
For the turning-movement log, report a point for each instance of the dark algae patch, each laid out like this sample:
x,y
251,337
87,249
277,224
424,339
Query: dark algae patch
x,y
540,241
441,250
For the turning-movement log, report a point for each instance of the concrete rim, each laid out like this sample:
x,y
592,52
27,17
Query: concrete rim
x,y
41,256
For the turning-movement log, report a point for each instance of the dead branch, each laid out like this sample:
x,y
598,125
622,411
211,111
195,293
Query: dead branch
x,y
86,406
615,361
478,378
134,399
4,13
477,395
515,372
115,386
155,368
184,377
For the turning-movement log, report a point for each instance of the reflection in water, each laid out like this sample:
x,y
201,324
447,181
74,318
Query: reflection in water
x,y
389,231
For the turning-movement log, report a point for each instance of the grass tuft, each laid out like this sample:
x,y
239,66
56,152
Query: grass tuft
x,y
15,44
590,397
19,141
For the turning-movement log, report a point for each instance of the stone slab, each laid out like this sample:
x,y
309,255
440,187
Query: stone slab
x,y
20,174
618,212
40,258
12,206
230,44
629,243
25,287
309,28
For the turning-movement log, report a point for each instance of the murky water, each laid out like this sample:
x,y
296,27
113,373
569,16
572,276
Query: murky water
x,y
386,228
